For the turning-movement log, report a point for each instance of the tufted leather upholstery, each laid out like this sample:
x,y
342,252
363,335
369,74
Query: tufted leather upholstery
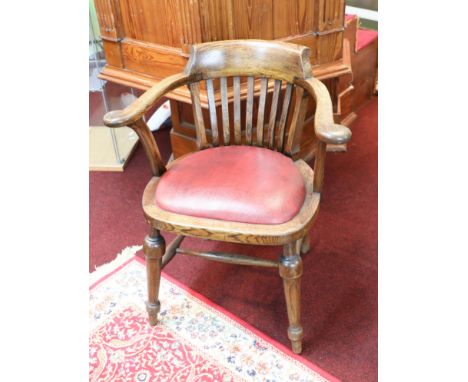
x,y
234,183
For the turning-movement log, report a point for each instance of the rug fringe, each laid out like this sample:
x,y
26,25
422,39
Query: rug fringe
x,y
104,269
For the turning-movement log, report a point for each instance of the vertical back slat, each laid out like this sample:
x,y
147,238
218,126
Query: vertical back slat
x,y
284,116
300,109
225,111
213,116
198,116
237,111
249,110
273,110
261,110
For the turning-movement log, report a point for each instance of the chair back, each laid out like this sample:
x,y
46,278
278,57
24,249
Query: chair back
x,y
268,107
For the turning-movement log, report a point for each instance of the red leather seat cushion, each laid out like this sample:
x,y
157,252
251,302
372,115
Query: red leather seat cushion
x,y
233,183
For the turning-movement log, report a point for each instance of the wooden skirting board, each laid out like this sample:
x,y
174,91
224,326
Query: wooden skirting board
x,y
101,149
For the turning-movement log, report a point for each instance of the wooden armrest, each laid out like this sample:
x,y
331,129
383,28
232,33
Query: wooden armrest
x,y
325,127
136,109
132,116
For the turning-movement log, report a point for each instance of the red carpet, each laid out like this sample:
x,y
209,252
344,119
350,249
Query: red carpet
x,y
340,273
195,340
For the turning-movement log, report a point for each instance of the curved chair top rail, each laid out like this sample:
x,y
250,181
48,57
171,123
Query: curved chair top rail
x,y
273,59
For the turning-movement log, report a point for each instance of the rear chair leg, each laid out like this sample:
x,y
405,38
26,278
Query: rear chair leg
x,y
290,270
305,246
154,248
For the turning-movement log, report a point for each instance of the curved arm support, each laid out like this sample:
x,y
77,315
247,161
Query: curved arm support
x,y
132,116
150,146
325,128
136,109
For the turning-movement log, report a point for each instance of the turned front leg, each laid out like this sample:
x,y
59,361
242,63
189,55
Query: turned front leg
x,y
154,248
290,270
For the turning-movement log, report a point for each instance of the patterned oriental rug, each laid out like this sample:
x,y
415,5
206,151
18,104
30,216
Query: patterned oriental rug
x,y
195,340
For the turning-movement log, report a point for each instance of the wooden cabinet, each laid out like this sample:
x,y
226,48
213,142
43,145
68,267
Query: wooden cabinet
x,y
147,40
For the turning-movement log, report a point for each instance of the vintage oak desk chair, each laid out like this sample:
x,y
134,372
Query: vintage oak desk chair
x,y
242,185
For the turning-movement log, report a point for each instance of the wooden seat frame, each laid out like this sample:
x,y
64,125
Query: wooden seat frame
x,y
252,59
